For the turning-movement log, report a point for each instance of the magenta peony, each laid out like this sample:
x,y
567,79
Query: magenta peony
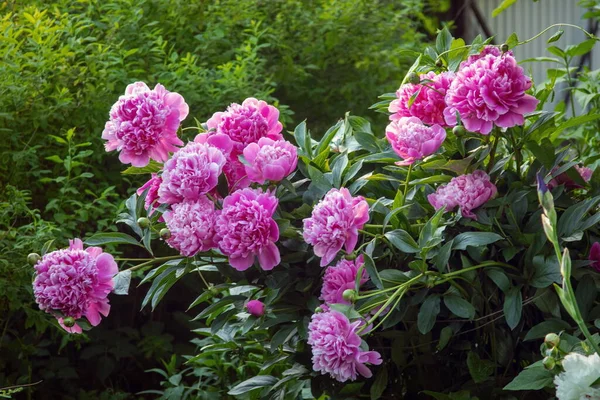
x,y
245,229
256,308
192,172
466,191
270,160
75,283
152,185
412,140
340,277
192,226
595,256
489,91
143,124
429,103
493,50
336,347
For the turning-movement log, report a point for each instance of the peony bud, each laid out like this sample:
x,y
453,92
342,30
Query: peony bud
x,y
552,340
256,308
143,222
549,363
459,130
349,295
504,47
318,310
33,258
165,233
413,78
69,322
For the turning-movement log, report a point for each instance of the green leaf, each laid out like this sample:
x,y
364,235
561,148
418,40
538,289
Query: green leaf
x,y
445,336
581,48
111,238
428,313
443,40
571,123
122,281
513,306
219,305
372,271
347,310
546,271
499,278
55,159
152,167
531,379
381,381
512,40
393,275
540,330
303,139
252,383
479,369
556,36
459,306
441,258
328,136
475,239
339,165
402,240
502,7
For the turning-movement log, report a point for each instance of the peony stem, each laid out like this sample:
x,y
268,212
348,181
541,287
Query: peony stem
x,y
406,183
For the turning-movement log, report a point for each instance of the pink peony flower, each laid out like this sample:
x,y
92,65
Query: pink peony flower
x,y
466,191
75,283
245,228
595,256
192,172
563,179
412,140
336,347
192,226
585,172
493,50
334,224
270,160
256,308
489,91
429,104
152,185
143,124
341,277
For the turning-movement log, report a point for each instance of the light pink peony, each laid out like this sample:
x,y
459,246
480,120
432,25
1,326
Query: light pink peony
x,y
256,308
245,228
412,140
429,104
489,91
336,347
143,124
466,191
341,277
270,160
152,185
192,226
75,283
192,172
334,224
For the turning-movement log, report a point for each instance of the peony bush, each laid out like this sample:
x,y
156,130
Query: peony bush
x,y
354,262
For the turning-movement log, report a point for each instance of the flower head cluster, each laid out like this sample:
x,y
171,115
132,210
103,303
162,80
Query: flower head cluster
x,y
336,347
245,229
143,124
334,224
489,91
412,140
75,283
152,195
466,191
270,160
429,104
340,277
580,372
192,225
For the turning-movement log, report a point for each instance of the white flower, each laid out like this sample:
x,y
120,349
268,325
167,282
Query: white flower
x,y
580,373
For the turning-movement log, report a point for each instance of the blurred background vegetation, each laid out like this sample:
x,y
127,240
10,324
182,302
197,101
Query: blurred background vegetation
x,y
64,63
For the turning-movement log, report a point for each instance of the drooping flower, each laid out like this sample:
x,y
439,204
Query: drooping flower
x,y
595,256
466,191
270,160
429,103
256,308
564,179
334,224
75,283
152,185
336,347
340,277
580,372
245,229
143,124
489,91
192,172
192,226
412,140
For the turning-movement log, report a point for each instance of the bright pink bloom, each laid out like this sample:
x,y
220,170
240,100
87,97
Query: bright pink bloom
x,y
192,172
143,124
466,191
270,160
245,228
429,104
585,172
595,256
152,185
192,226
341,277
489,91
334,224
336,347
75,283
256,308
493,50
412,140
